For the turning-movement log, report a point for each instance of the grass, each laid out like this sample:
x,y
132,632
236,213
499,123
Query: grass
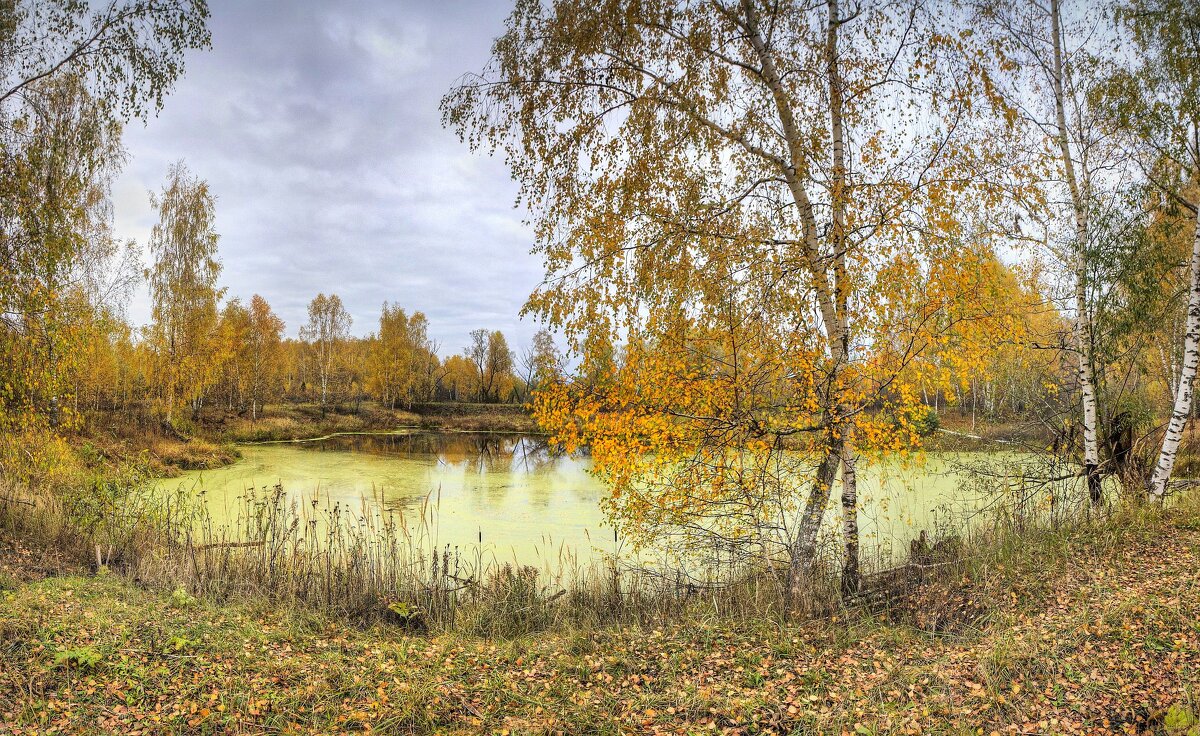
x,y
173,455
135,438
301,421
117,614
1090,629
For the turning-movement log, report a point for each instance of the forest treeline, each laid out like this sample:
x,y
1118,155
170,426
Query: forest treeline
x,y
778,240
239,360
206,349
73,76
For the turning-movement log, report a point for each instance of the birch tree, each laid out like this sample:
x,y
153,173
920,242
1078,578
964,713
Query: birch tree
x,y
493,361
131,51
327,329
540,361
740,193
1049,71
1158,103
183,289
400,357
266,348
70,74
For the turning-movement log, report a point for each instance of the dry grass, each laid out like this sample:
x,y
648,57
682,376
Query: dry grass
x,y
371,566
1094,635
302,421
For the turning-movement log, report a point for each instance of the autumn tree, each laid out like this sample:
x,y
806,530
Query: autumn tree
x,y
231,352
424,360
265,353
1157,104
183,290
70,75
401,357
493,361
130,52
58,254
540,361
327,329
458,378
108,375
741,193
1072,186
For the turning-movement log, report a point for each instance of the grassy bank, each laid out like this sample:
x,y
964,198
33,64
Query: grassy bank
x,y
301,421
114,439
1091,629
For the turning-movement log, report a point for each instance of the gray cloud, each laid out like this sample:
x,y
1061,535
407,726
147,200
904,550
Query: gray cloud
x,y
317,126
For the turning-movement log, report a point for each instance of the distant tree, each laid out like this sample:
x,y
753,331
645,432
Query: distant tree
x,y
493,361
459,378
183,289
401,358
540,361
265,348
327,329
387,356
498,373
232,353
477,353
423,359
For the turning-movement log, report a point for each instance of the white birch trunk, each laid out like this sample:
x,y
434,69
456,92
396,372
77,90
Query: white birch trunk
x,y
850,564
828,296
1081,328
1182,407
1087,384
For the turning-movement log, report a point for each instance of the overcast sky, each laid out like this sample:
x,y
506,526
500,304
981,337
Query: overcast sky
x,y
316,124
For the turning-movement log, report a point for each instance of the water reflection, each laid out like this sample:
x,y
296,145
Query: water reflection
x,y
528,503
476,452
524,500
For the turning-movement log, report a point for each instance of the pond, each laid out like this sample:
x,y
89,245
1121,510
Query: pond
x,y
524,503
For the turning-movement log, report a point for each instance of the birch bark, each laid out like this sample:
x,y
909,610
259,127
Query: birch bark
x,y
1182,407
1082,327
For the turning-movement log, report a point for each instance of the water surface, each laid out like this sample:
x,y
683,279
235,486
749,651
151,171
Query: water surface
x,y
525,503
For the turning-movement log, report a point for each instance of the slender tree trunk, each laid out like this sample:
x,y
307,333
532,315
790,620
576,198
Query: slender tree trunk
x,y
1082,327
1087,386
851,577
804,544
839,197
1187,375
974,397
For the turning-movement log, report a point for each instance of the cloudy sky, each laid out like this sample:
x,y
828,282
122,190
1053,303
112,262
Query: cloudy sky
x,y
316,124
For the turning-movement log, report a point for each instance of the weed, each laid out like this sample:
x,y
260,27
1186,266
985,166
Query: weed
x,y
84,658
